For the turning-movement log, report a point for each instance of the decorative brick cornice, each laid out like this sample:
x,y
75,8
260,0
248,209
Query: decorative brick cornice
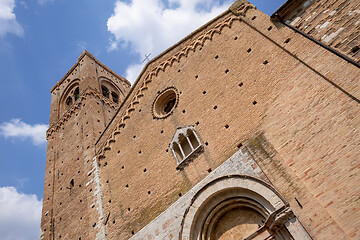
x,y
240,7
82,55
77,105
192,47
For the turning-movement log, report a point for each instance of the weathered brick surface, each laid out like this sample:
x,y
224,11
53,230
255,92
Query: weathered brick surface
x,y
69,211
334,22
286,93
250,81
168,224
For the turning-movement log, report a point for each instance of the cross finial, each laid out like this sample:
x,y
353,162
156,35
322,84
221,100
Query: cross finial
x,y
147,57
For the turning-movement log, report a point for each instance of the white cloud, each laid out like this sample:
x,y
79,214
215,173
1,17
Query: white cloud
x,y
18,129
151,26
8,23
20,215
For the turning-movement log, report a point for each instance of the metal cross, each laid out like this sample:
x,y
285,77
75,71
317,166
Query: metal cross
x,y
147,57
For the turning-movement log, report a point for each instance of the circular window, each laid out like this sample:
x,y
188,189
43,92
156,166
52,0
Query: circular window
x,y
165,103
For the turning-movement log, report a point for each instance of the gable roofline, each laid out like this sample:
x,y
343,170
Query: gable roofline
x,y
82,55
155,59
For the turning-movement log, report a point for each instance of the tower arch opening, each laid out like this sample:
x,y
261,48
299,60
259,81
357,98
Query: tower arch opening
x,y
110,91
69,97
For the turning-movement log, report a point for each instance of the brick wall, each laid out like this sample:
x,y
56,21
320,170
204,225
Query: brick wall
x,y
255,77
334,22
71,209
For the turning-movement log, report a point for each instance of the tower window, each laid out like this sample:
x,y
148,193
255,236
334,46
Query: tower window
x,y
76,93
115,97
68,101
111,91
69,97
185,146
105,92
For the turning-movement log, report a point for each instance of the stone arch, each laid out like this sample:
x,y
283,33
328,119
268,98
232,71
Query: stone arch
x,y
69,96
237,205
110,90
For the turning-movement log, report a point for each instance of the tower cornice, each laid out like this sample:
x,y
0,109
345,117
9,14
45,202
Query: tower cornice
x,y
82,55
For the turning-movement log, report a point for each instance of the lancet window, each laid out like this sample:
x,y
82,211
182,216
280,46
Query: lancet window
x,y
70,97
185,146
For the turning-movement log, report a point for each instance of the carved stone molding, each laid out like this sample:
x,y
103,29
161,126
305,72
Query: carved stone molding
x,y
240,7
77,105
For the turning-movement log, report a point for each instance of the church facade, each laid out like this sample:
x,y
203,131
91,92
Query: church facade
x,y
248,128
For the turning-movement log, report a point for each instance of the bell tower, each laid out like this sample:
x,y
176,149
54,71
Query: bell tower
x,y
82,104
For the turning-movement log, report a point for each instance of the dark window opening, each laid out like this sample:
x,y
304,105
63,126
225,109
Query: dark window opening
x,y
185,145
194,142
115,97
177,151
68,101
76,93
355,49
72,183
105,92
170,104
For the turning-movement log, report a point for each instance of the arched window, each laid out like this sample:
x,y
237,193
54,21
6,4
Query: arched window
x,y
115,97
76,93
70,97
105,91
185,146
110,91
69,101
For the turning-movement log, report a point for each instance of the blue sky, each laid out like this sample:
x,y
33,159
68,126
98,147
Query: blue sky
x,y
40,40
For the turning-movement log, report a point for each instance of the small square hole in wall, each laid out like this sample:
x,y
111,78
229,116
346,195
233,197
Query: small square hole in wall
x,y
241,84
287,40
249,50
254,102
227,71
355,49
